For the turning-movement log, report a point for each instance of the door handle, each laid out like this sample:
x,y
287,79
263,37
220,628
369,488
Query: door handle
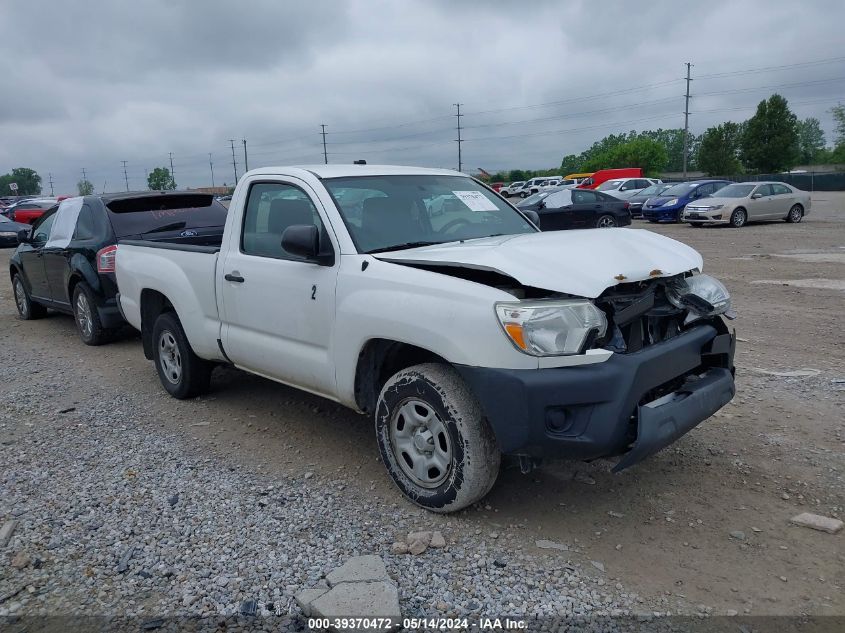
x,y
233,277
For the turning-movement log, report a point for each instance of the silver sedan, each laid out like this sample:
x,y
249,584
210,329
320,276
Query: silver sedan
x,y
744,202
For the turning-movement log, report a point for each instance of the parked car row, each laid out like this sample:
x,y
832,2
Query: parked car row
x,y
28,210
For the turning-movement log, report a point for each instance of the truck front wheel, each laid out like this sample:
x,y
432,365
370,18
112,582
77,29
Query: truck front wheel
x,y
182,373
434,439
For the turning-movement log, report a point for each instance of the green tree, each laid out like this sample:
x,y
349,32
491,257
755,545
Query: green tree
x,y
641,152
28,181
838,113
515,175
810,140
673,141
85,187
161,180
718,151
770,141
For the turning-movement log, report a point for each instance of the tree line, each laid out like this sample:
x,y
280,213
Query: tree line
x,y
772,140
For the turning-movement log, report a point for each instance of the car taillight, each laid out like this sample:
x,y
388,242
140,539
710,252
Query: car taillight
x,y
105,259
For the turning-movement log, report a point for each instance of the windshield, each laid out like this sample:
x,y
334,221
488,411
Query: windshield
x,y
383,212
653,190
681,189
610,184
734,191
533,198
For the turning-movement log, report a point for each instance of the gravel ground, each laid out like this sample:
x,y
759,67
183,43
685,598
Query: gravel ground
x,y
117,517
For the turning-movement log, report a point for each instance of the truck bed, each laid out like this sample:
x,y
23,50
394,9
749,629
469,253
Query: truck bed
x,y
184,274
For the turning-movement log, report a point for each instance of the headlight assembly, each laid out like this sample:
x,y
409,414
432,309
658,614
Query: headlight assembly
x,y
670,203
702,294
551,328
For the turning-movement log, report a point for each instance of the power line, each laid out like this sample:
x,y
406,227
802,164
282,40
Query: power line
x,y
771,87
458,115
325,154
830,60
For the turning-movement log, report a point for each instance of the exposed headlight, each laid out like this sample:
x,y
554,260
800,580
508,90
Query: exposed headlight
x,y
702,294
671,202
551,328
8,234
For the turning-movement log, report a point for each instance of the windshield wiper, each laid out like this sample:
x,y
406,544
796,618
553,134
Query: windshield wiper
x,y
167,227
399,247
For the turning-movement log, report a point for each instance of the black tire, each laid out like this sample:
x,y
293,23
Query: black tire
x,y
796,214
505,194
606,221
28,310
453,426
523,195
652,221
183,374
739,218
88,323
696,225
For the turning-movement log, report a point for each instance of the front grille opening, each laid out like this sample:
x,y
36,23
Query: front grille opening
x,y
639,315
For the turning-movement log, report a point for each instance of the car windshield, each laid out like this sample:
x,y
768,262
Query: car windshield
x,y
391,212
610,184
3,218
533,198
681,189
653,190
734,191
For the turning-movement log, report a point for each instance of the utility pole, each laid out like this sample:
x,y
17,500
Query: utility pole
x,y
246,161
51,183
125,176
211,165
460,162
325,153
172,175
84,177
234,164
686,121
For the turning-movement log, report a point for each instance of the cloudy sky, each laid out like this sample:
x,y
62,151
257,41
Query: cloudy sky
x,y
90,83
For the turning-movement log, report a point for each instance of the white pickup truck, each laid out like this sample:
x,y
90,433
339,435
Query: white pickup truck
x,y
467,334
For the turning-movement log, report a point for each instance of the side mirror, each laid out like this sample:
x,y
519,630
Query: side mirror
x,y
756,195
533,216
25,236
303,240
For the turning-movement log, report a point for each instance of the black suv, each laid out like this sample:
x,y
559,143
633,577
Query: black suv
x,y
66,260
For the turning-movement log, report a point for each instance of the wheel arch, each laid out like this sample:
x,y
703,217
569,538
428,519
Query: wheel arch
x,y
153,304
378,360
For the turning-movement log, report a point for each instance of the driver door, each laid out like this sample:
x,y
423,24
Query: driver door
x,y
277,309
32,258
760,208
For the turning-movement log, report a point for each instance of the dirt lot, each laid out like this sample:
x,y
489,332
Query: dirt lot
x,y
669,528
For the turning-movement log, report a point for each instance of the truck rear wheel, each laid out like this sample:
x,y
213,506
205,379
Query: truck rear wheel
x,y
182,373
434,439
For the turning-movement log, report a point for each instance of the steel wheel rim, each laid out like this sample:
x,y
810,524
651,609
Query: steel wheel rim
x,y
606,222
20,298
795,214
169,357
83,315
420,443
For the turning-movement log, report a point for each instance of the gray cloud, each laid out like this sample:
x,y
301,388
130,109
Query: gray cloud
x,y
88,84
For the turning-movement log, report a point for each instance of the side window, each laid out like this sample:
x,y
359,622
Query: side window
x,y
779,190
764,190
581,196
84,224
42,230
270,209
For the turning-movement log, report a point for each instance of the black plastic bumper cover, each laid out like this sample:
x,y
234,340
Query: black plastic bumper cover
x,y
589,411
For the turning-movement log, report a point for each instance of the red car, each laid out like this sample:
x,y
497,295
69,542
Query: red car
x,y
609,174
28,211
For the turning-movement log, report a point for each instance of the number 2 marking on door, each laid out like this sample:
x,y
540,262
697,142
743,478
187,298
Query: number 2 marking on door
x,y
313,293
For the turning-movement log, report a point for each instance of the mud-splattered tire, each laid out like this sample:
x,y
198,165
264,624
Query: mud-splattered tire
x,y
434,439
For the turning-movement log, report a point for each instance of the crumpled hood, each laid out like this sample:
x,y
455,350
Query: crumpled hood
x,y
582,263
